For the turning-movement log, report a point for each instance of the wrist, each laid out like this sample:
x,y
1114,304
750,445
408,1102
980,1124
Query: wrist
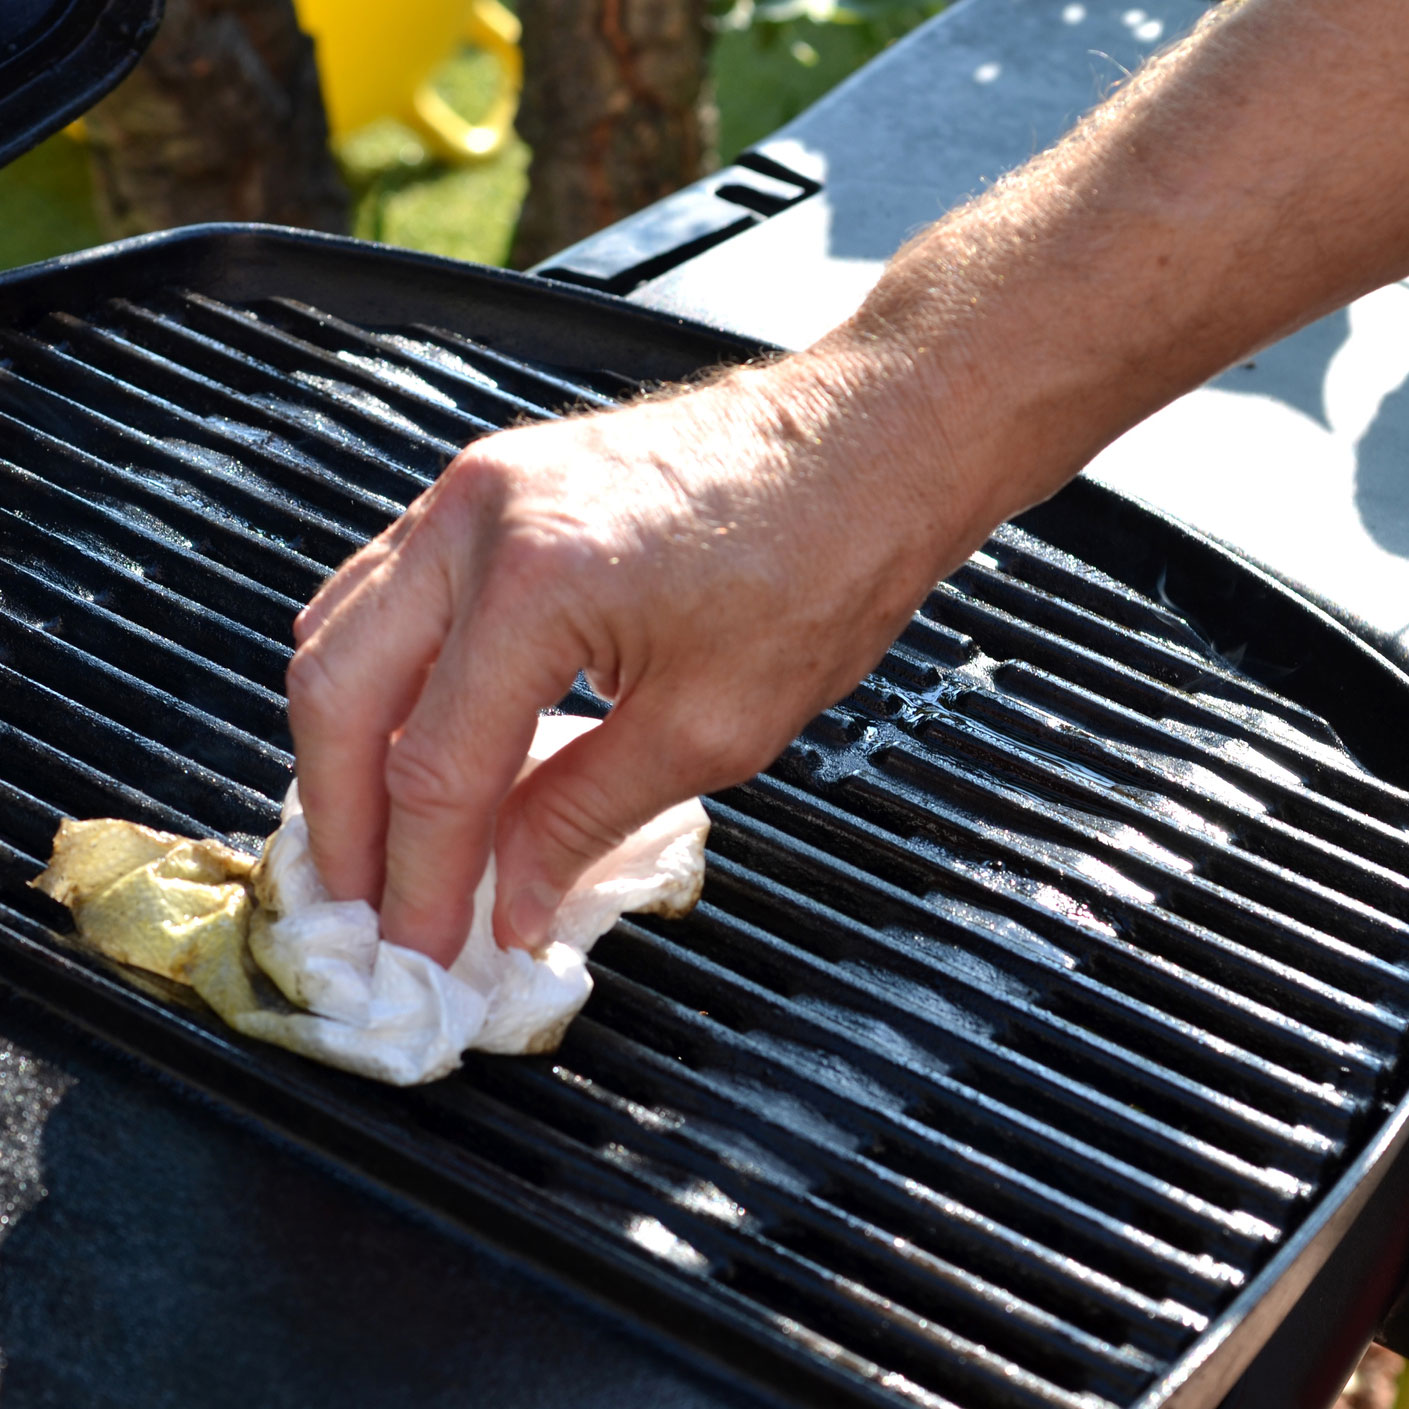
x,y
941,405
1002,359
888,441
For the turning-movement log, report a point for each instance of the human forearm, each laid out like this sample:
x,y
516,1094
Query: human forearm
x,y
1248,181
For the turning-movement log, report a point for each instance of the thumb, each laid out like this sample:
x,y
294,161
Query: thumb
x,y
587,798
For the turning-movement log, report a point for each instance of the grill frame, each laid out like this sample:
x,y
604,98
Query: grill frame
x,y
238,263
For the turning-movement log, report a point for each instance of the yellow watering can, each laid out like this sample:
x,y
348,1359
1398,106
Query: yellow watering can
x,y
375,58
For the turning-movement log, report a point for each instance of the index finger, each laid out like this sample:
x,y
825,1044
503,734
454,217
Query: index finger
x,y
350,685
451,766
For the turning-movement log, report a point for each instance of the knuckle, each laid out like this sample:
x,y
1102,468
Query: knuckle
x,y
421,780
526,562
477,480
575,822
307,622
714,747
313,691
543,573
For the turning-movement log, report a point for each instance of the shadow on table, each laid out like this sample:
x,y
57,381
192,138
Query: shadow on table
x,y
1382,474
1293,371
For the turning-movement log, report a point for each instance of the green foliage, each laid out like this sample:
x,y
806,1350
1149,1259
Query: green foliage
x,y
773,58
46,205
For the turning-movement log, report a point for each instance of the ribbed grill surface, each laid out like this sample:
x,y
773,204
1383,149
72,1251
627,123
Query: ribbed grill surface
x,y
1035,992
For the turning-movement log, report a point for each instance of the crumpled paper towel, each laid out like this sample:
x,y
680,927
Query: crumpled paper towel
x,y
267,947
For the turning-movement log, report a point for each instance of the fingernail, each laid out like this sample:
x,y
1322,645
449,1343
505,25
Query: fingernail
x,y
531,913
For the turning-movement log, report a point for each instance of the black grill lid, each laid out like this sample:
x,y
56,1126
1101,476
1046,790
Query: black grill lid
x,y
1044,1008
58,57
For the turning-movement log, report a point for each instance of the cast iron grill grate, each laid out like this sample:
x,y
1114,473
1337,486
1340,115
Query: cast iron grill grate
x,y
1036,992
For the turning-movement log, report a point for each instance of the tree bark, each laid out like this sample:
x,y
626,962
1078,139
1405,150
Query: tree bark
x,y
615,107
222,120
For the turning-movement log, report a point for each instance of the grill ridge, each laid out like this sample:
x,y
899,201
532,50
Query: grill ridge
x,y
375,403
70,621
144,560
242,394
164,463
1180,713
1010,1015
927,1161
986,943
850,1181
1106,953
1082,1110
1056,832
150,503
745,1008
211,414
1036,993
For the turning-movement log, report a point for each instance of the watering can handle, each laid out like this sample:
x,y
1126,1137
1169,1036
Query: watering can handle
x,y
488,26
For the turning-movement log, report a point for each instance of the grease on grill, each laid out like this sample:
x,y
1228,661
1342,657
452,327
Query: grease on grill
x,y
1037,991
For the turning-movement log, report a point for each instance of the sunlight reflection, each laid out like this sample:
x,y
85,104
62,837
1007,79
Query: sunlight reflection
x,y
29,1091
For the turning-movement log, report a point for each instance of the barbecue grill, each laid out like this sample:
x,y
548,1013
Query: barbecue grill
x,y
1037,1042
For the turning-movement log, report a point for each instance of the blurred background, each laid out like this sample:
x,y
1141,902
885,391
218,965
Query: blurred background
x,y
432,105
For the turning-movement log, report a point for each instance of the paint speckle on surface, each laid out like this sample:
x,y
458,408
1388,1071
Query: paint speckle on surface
x,y
29,1091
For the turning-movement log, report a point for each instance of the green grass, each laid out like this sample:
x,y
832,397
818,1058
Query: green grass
x,y
46,203
767,70
403,196
767,65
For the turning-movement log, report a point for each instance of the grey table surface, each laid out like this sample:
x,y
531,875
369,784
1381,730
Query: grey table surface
x,y
1298,459
158,1251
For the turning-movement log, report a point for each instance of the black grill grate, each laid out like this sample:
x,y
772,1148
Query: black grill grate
x,y
1036,993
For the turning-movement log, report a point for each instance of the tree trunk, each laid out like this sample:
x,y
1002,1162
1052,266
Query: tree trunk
x,y
222,120
615,109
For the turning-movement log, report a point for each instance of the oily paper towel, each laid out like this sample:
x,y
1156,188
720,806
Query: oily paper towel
x,y
267,947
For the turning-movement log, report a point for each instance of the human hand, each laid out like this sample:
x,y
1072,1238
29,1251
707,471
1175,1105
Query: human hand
x,y
726,562
722,564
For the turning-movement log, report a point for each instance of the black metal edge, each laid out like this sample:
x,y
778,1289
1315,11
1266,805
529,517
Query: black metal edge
x,y
650,242
1393,648
1393,1331
325,1115
1212,1366
1307,1360
524,315
104,48
1336,669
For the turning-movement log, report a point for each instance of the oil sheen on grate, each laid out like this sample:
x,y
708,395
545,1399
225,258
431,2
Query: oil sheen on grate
x,y
1035,992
